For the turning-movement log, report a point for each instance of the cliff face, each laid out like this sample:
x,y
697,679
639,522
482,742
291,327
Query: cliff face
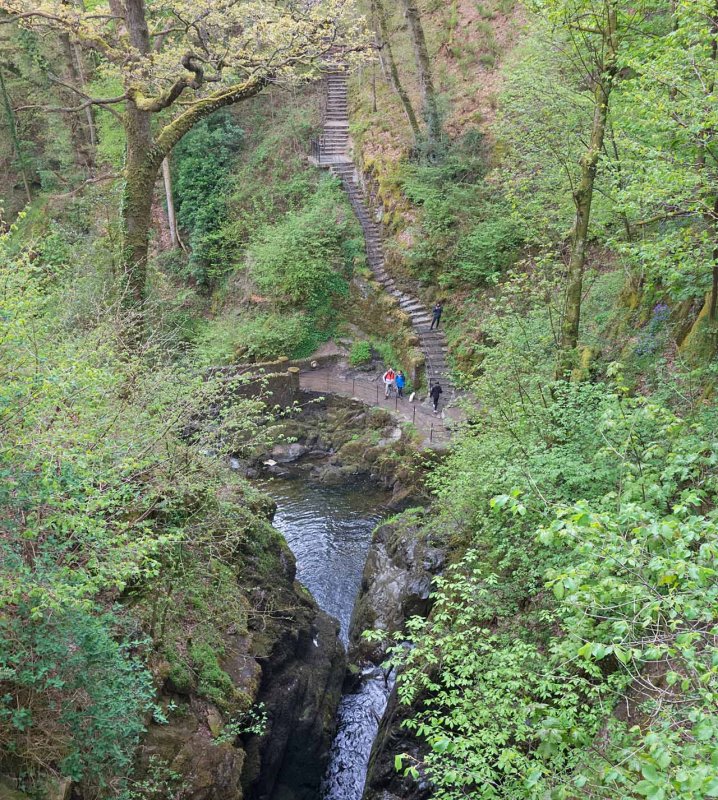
x,y
288,664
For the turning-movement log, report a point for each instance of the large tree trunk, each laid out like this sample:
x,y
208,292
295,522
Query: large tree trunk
x,y
80,69
89,116
141,172
423,68
12,127
81,144
708,135
144,158
380,14
583,197
714,281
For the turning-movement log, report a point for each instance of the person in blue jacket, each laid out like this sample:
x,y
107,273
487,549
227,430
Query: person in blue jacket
x,y
400,383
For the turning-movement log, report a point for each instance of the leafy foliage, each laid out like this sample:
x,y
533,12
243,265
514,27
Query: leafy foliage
x,y
572,647
99,491
467,233
200,184
360,354
303,260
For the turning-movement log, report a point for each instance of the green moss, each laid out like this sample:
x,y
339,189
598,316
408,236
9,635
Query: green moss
x,y
212,681
179,674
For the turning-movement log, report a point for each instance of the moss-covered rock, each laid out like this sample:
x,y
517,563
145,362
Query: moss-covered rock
x,y
701,342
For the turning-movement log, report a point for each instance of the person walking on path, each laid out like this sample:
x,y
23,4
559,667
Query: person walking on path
x,y
436,316
389,377
400,383
435,393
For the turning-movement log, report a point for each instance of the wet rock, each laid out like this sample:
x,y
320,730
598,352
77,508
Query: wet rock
x,y
396,584
288,453
301,687
336,474
383,782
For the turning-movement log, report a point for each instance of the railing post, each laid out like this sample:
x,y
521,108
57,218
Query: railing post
x,y
431,433
396,402
353,392
413,419
377,394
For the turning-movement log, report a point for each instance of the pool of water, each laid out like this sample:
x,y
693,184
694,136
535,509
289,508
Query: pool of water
x,y
329,531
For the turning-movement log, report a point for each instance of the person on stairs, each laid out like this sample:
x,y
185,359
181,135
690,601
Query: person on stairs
x,y
389,377
435,393
436,316
400,383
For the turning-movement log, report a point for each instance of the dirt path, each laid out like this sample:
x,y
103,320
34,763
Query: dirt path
x,y
434,428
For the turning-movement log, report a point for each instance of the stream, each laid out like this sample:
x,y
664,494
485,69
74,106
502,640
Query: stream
x,y
329,531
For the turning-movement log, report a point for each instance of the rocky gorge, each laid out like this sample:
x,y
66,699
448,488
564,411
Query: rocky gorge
x,y
289,660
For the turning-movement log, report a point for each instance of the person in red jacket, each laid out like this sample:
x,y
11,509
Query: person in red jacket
x,y
389,377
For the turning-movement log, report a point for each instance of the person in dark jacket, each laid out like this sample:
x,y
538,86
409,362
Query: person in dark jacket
x,y
436,315
435,394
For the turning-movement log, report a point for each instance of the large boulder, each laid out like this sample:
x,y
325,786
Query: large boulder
x,y
396,583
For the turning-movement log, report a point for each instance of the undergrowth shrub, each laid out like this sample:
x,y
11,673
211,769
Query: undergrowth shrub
x,y
100,488
571,647
360,354
201,185
467,234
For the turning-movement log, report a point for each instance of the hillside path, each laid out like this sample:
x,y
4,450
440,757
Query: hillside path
x,y
435,429
332,151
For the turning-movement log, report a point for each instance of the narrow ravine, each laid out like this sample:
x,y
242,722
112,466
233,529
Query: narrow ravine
x,y
329,530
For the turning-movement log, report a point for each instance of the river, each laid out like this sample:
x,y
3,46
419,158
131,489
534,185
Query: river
x,y
329,531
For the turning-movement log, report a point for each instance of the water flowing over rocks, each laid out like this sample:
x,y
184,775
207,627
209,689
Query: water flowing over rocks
x,y
402,562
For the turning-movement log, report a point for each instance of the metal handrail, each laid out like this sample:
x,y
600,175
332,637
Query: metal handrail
x,y
317,145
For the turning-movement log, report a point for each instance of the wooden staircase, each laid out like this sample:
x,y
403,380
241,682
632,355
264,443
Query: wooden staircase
x,y
332,150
